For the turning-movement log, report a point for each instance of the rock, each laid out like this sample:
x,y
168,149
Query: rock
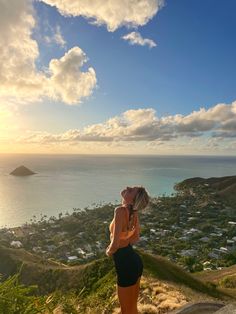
x,y
228,309
199,308
22,171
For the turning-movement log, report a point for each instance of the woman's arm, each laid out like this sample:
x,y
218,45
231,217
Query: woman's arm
x,y
118,219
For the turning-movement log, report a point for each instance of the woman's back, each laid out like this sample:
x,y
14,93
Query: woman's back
x,y
130,227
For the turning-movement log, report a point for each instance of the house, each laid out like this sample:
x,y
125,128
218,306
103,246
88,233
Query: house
x,y
51,247
184,238
192,231
80,251
224,250
72,258
89,255
187,253
213,255
191,218
213,234
143,238
231,245
153,230
204,239
16,244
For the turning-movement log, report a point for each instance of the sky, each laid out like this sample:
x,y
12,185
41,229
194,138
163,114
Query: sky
x,y
118,77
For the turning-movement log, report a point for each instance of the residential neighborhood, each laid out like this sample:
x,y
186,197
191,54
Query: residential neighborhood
x,y
194,228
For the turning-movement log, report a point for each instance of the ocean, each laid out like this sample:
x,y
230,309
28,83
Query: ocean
x,y
65,182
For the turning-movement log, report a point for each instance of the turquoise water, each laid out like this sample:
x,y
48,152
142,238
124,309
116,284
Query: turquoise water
x,y
64,182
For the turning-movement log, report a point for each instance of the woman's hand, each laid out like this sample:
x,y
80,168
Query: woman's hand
x,y
108,252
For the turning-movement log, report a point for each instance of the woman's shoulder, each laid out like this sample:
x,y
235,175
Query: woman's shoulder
x,y
120,209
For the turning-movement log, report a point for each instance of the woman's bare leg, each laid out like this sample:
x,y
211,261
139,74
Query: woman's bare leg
x,y
128,299
137,285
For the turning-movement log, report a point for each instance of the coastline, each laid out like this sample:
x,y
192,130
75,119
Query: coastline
x,y
182,227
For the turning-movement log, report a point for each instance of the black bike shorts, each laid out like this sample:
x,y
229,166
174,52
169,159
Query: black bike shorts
x,y
128,265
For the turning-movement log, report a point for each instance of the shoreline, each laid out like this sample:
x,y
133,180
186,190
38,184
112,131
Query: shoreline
x,y
194,228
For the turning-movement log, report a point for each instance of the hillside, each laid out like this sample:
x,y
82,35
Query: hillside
x,y
164,286
215,276
223,186
48,275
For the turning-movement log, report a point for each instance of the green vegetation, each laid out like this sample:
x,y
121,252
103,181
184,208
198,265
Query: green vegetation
x,y
92,287
16,298
95,285
193,230
164,270
228,282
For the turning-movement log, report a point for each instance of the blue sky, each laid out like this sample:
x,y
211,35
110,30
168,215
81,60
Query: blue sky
x,y
192,67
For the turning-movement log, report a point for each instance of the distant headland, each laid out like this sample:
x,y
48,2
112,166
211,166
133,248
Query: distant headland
x,y
22,171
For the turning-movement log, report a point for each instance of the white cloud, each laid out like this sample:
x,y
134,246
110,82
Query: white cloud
x,y
19,76
18,52
56,38
144,125
135,38
112,13
59,38
67,81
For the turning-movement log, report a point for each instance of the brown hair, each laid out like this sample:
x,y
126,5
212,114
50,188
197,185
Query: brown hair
x,y
140,202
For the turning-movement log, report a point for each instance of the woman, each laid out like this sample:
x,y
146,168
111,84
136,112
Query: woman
x,y
124,231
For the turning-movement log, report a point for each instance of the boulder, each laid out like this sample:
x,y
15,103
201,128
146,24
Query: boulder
x,y
199,308
228,309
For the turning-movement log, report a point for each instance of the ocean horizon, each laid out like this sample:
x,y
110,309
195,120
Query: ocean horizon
x,y
65,182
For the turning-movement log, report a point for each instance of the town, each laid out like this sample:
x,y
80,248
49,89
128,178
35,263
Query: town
x,y
193,227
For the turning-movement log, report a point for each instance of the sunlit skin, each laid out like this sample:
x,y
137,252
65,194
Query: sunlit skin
x,y
128,296
128,195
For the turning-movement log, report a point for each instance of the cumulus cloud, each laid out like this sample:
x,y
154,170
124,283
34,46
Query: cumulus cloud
x,y
19,76
144,125
112,13
18,52
135,38
67,81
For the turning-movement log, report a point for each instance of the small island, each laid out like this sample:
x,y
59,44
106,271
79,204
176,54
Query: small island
x,y
22,171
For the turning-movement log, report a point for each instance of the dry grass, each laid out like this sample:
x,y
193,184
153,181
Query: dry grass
x,y
147,309
159,297
156,297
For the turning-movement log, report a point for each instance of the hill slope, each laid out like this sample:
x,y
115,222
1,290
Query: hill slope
x,y
223,186
164,284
